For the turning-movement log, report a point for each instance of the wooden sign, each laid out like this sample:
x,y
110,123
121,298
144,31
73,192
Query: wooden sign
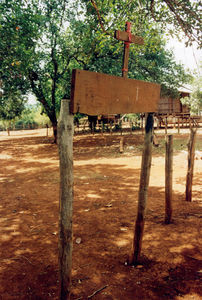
x,y
96,93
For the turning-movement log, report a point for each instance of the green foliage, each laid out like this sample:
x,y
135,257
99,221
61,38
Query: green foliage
x,y
174,17
33,115
195,99
11,105
43,40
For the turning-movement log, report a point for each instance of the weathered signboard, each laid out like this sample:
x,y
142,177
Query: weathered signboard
x,y
96,93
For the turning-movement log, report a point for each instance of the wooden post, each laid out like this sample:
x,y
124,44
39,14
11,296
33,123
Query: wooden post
x,y
143,189
174,125
178,128
168,179
65,148
142,123
121,144
191,154
110,126
166,125
102,127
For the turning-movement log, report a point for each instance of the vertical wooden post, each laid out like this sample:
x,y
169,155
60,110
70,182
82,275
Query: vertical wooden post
x,y
191,154
121,127
142,123
102,127
110,124
143,190
121,144
65,148
166,125
178,128
168,179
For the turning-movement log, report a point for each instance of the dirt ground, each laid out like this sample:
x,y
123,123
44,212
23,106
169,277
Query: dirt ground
x,y
105,204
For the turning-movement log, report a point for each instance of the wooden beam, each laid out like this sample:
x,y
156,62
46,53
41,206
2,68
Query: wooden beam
x,y
96,93
124,36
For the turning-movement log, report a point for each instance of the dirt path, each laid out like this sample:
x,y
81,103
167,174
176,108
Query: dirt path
x,y
106,188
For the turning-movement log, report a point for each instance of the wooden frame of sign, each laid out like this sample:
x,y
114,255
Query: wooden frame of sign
x,y
95,93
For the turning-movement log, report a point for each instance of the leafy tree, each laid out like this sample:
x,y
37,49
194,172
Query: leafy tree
x,y
11,106
39,56
42,41
195,99
173,16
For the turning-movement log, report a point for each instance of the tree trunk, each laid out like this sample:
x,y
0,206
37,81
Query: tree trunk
x,y
65,147
143,189
54,124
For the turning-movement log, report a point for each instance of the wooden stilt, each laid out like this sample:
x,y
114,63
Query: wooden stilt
x,y
143,189
168,179
65,148
121,144
178,127
166,125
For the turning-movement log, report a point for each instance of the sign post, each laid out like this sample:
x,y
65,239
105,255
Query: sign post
x,y
95,94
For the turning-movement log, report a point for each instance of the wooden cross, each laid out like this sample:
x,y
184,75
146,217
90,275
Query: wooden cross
x,y
128,38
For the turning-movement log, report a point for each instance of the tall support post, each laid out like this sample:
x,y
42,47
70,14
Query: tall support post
x,y
65,149
143,190
168,179
190,171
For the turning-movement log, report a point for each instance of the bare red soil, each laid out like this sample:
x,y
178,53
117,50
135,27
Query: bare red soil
x,y
105,204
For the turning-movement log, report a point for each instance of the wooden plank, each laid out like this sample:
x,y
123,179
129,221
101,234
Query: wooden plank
x,y
96,93
124,36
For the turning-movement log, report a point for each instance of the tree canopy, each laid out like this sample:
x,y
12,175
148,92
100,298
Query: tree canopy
x,y
43,40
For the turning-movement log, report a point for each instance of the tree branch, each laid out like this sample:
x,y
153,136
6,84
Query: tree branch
x,y
99,18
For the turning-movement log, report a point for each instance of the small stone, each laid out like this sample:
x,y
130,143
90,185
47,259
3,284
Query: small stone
x,y
139,267
108,205
78,240
123,229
